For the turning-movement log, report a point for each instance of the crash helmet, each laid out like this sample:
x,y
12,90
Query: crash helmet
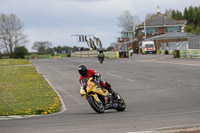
x,y
100,51
83,70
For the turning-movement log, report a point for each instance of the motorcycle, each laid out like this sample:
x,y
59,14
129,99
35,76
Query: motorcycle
x,y
101,60
98,97
101,57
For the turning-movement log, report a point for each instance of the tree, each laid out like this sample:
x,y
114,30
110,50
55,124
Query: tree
x,y
11,33
67,49
64,49
75,48
196,16
20,52
127,21
149,15
192,15
177,15
173,14
50,51
58,49
41,47
1,55
186,14
168,12
110,48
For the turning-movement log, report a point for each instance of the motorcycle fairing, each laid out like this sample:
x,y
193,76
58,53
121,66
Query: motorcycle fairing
x,y
93,89
82,91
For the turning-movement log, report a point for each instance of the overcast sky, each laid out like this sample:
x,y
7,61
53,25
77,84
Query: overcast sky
x,y
57,20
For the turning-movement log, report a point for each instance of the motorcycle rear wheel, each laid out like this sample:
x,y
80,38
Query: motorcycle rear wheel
x,y
98,107
121,105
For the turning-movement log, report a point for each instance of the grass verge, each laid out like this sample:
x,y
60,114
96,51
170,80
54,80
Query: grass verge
x,y
45,56
24,92
7,62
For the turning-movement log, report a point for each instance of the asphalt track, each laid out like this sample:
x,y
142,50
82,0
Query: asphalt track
x,y
158,96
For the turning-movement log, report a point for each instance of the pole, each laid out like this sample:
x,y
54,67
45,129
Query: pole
x,y
144,29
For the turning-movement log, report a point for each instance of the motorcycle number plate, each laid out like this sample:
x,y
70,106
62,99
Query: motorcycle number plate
x,y
90,85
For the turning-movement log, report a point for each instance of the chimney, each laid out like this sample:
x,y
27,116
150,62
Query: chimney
x,y
158,9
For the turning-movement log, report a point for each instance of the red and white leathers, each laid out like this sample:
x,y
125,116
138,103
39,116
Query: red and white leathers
x,y
91,72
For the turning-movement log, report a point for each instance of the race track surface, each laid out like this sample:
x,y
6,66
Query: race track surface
x,y
158,95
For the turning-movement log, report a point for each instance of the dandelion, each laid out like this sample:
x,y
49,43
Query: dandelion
x,y
26,92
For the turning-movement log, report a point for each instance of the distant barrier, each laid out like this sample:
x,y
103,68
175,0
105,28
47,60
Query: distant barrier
x,y
92,53
112,54
190,53
73,55
158,52
171,52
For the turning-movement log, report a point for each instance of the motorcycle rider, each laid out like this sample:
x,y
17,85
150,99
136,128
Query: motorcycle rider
x,y
101,55
87,73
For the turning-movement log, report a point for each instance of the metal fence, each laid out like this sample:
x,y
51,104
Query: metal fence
x,y
194,42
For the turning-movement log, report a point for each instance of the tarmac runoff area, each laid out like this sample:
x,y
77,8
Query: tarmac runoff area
x,y
170,130
171,60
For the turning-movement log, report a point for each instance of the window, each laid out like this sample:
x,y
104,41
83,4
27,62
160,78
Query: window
x,y
172,29
151,30
149,45
130,35
125,35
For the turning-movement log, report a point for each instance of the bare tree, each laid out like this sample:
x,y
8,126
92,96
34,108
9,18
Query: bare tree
x,y
127,21
11,33
41,47
168,12
149,15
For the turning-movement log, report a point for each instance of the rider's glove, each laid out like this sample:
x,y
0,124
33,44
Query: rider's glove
x,y
98,77
96,82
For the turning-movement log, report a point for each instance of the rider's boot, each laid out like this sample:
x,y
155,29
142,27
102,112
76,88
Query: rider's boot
x,y
116,97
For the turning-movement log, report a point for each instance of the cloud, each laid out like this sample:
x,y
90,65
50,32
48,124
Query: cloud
x,y
63,36
57,20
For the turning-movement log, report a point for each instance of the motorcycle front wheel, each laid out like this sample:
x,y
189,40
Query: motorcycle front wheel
x,y
98,107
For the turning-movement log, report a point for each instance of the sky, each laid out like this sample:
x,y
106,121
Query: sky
x,y
57,20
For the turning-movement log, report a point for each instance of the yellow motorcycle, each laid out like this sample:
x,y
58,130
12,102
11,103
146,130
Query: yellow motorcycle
x,y
98,97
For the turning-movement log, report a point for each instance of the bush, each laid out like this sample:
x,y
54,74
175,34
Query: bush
x,y
20,52
1,55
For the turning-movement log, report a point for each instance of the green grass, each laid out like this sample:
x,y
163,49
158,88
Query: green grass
x,y
24,92
36,56
7,62
45,56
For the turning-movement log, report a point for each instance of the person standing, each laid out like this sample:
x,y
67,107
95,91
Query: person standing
x,y
137,50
